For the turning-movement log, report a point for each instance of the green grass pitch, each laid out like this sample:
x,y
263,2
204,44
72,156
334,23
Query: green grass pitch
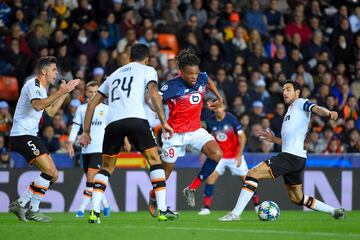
x,y
139,225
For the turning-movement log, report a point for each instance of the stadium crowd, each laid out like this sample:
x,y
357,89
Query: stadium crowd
x,y
248,47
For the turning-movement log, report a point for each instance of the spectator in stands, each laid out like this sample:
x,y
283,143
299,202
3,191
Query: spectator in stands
x,y
173,17
353,142
257,112
315,46
244,93
104,41
82,15
58,126
197,9
36,39
313,143
238,107
274,18
213,61
342,29
5,119
354,20
42,19
308,79
104,61
127,41
149,37
334,147
17,33
351,109
236,45
191,26
300,27
6,162
84,45
255,19
261,94
253,141
343,52
60,15
49,139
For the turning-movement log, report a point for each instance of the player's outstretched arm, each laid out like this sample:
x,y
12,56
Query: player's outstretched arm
x,y
212,87
58,97
269,136
324,112
85,139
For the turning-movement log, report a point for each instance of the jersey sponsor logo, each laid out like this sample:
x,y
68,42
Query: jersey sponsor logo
x,y
38,93
286,118
221,137
164,88
195,98
96,123
101,113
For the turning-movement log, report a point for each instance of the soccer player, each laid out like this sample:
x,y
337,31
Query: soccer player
x,y
184,95
125,89
32,102
231,138
91,155
290,163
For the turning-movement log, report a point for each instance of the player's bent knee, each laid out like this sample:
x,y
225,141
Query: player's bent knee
x,y
216,155
53,172
296,200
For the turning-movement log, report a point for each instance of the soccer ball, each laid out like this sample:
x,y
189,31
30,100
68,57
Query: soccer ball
x,y
269,211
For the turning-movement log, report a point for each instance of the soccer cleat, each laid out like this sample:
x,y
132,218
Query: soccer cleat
x,y
19,211
152,206
189,195
204,211
167,215
339,213
107,212
94,217
256,208
229,217
80,214
37,216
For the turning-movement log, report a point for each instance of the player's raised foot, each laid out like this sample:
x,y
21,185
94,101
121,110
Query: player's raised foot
x,y
94,217
167,215
339,213
189,195
37,216
204,211
229,217
80,214
19,211
107,211
152,206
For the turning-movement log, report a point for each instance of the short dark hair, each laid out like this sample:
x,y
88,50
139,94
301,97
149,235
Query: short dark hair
x,y
139,52
187,57
45,62
295,85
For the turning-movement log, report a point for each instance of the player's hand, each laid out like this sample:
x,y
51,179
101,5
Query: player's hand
x,y
215,104
70,149
84,139
333,115
69,86
168,130
267,135
238,160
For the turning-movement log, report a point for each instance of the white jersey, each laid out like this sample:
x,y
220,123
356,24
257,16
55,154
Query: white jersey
x,y
295,126
152,117
97,128
26,118
125,89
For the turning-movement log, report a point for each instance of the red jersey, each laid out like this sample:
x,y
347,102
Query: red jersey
x,y
185,103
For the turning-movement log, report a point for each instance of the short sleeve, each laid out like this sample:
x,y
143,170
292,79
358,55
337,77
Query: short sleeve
x,y
203,78
34,92
236,124
104,88
150,75
307,105
78,118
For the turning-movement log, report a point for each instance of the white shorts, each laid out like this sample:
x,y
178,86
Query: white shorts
x,y
175,146
231,164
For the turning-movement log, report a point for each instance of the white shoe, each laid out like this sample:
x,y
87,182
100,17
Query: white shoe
x,y
204,211
339,213
229,217
256,209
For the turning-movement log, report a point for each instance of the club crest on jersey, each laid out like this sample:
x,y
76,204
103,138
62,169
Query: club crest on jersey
x,y
287,118
38,93
195,98
164,88
101,113
201,88
221,137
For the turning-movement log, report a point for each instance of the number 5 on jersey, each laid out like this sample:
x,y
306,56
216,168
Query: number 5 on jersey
x,y
115,95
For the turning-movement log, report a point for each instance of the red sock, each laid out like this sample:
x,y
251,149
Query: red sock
x,y
195,184
152,193
207,201
256,200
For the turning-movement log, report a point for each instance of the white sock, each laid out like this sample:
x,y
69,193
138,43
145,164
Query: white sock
x,y
250,185
39,188
100,182
25,197
86,198
157,177
317,205
105,202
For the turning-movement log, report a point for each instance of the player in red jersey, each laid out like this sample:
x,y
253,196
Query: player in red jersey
x,y
231,138
184,95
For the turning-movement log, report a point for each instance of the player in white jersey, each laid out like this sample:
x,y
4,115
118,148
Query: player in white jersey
x,y
125,89
32,102
91,155
290,163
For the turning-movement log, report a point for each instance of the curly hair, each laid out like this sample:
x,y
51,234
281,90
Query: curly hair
x,y
187,57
